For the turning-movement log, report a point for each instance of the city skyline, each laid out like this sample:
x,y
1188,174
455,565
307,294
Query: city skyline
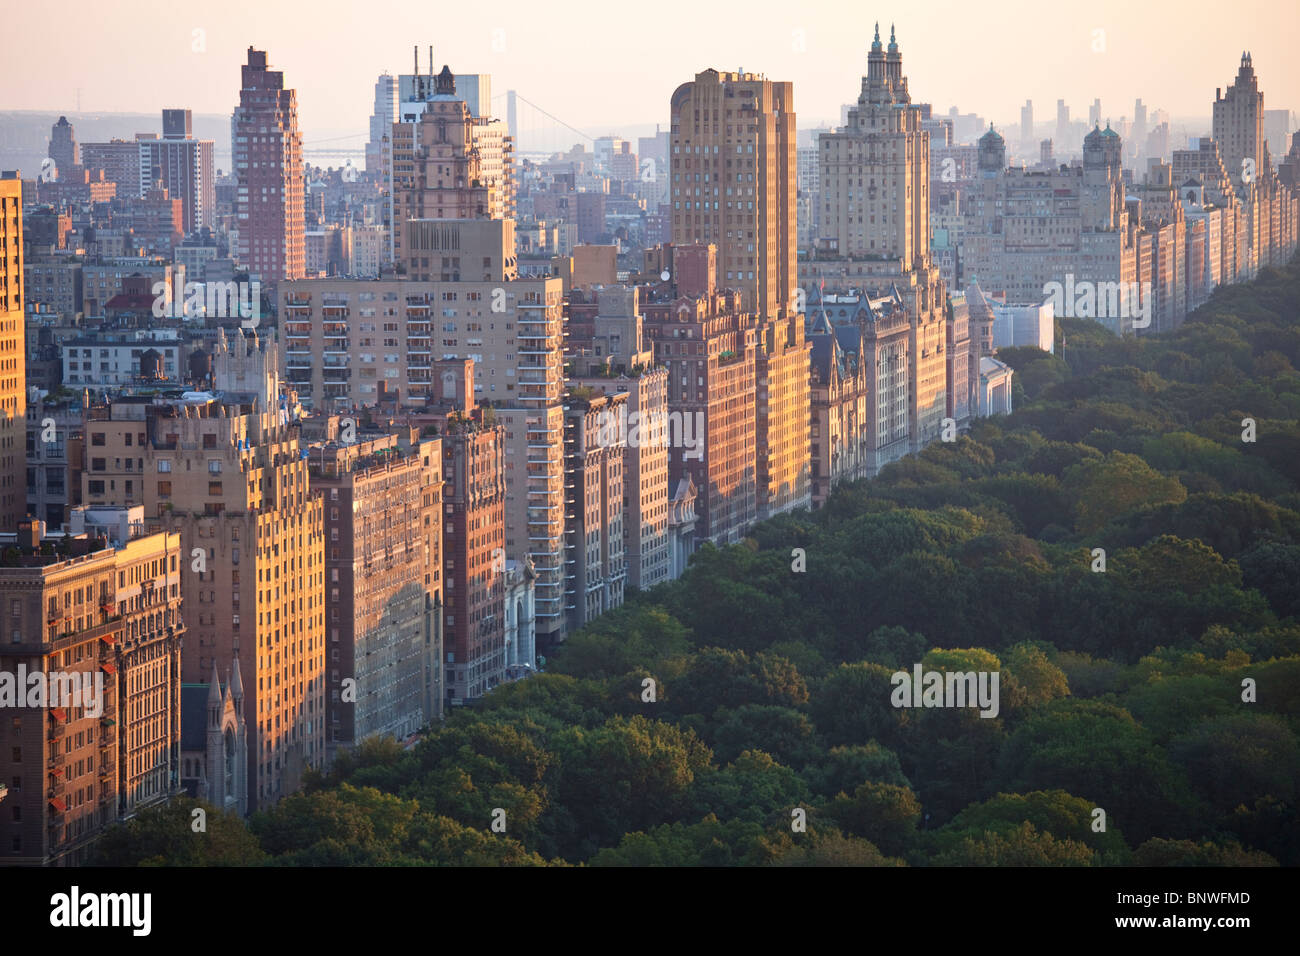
x,y
1078,56
495,506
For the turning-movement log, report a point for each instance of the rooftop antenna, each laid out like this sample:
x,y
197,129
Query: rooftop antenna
x,y
417,59
430,62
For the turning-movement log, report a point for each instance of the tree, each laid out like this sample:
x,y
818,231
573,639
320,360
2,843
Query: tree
x,y
1105,489
1235,759
1159,851
1022,846
851,705
834,849
783,732
1053,812
845,768
165,836
1099,752
628,774
753,787
716,677
883,813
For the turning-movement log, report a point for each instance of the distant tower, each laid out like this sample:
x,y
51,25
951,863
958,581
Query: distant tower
x,y
1139,133
752,120
1045,153
381,124
268,174
1027,122
992,152
63,145
1239,121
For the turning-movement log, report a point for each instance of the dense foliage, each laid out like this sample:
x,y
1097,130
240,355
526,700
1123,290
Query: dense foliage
x,y
1121,690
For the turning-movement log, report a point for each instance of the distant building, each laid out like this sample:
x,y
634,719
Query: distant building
x,y
13,353
748,120
268,170
63,145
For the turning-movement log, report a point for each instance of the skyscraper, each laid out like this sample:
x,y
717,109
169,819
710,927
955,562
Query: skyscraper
x,y
228,474
876,207
185,167
1239,124
447,159
267,151
63,145
734,178
381,124
13,358
733,181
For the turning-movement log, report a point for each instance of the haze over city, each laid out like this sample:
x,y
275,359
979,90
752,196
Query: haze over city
x,y
604,68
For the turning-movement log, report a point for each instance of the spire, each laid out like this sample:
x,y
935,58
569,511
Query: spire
x,y
214,696
875,44
236,683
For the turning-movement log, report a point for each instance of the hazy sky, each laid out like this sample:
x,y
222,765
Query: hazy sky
x,y
599,65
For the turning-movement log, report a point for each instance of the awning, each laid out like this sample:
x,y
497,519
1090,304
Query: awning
x,y
58,713
108,668
108,638
58,804
109,722
56,772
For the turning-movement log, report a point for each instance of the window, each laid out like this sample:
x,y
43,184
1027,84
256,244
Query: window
x,y
164,466
214,466
214,488
97,439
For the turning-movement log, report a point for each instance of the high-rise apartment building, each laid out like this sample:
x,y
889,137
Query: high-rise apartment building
x,y
449,164
13,357
474,544
611,356
708,344
594,446
101,624
351,342
860,386
226,470
267,157
784,470
1239,124
382,504
876,212
734,182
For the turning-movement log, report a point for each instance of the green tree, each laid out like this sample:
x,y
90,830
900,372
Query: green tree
x,y
1105,489
165,836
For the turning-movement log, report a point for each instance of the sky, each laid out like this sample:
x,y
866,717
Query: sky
x,y
601,65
